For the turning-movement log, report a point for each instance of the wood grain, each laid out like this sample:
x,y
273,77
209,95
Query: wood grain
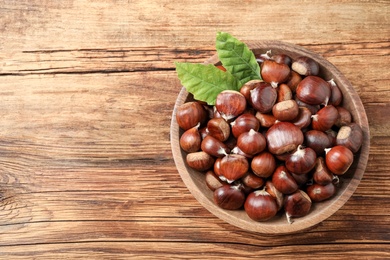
x,y
86,95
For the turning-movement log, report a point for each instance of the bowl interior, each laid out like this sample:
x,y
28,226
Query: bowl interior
x,y
195,181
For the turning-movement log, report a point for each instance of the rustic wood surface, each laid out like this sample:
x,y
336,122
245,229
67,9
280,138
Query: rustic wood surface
x,y
87,90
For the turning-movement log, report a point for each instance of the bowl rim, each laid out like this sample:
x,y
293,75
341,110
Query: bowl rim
x,y
332,205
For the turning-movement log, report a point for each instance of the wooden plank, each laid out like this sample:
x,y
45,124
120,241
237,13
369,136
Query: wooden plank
x,y
86,95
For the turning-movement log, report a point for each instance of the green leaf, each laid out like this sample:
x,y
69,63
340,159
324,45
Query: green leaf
x,y
237,58
205,82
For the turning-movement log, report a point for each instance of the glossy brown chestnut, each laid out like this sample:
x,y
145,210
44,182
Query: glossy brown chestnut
x,y
260,206
233,167
336,96
332,134
344,118
338,159
297,204
313,90
283,180
266,120
263,97
217,167
305,66
248,87
319,192
282,58
285,110
251,142
313,108
230,104
214,147
200,161
293,80
237,150
213,182
231,142
283,137
203,132
275,193
303,119
219,129
318,141
321,174
244,123
263,164
190,114
229,197
284,93
301,161
301,179
325,118
274,73
253,181
190,140
350,136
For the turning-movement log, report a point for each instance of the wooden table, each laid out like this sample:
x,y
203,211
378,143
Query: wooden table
x,y
87,90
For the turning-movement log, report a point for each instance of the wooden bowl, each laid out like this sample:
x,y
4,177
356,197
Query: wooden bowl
x,y
195,181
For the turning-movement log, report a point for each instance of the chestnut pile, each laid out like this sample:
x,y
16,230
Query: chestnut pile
x,y
277,144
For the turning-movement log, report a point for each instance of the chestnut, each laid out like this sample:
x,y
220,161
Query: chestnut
x,y
325,118
217,166
274,72
338,159
263,97
203,132
318,141
250,85
231,142
321,174
244,123
332,135
190,114
313,90
282,58
344,118
274,192
229,197
319,192
190,140
336,96
233,167
213,182
266,120
305,66
263,164
303,119
283,180
285,110
284,93
301,161
237,150
200,161
214,147
283,137
219,128
230,104
252,181
251,142
350,136
293,80
297,204
301,179
313,108
260,206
